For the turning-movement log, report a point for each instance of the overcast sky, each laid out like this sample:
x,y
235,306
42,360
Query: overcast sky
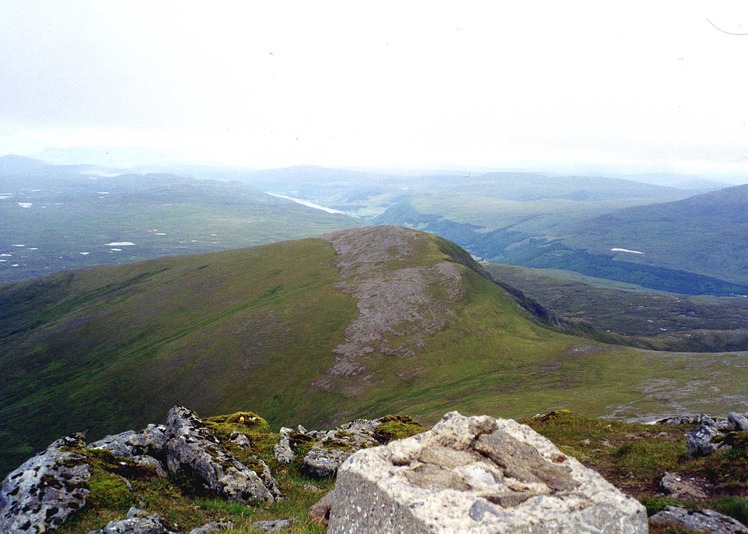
x,y
654,85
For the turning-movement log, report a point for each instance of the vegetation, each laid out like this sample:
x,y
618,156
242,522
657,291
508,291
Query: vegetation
x,y
115,347
659,320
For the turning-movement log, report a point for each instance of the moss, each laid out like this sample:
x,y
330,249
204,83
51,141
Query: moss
x,y
109,491
243,422
737,440
395,427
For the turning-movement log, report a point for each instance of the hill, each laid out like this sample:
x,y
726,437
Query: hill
x,y
365,321
66,217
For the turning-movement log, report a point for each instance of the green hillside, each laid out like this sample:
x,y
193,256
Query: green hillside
x,y
367,321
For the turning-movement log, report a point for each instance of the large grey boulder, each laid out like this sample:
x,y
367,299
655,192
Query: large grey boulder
x,y
41,494
676,517
150,441
477,474
192,450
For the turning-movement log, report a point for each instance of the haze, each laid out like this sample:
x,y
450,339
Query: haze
x,y
628,87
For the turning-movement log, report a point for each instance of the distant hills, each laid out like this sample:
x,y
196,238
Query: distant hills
x,y
362,322
65,217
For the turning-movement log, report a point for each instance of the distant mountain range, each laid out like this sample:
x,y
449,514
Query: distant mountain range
x,y
362,322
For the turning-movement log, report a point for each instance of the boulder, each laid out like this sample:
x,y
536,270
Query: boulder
x,y
150,441
477,474
336,446
193,451
137,522
282,450
699,440
46,489
737,421
676,517
681,488
274,525
213,526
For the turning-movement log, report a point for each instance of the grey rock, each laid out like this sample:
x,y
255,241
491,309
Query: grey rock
x,y
192,449
336,446
213,526
699,440
275,525
267,476
681,488
149,462
282,450
477,474
43,492
737,421
152,524
240,440
149,441
679,420
320,511
699,521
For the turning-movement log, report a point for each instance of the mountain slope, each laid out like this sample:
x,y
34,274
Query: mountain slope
x,y
365,321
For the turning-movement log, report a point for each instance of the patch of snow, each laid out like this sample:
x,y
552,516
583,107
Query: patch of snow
x,y
626,250
5,255
115,250
25,204
161,233
120,244
19,246
85,253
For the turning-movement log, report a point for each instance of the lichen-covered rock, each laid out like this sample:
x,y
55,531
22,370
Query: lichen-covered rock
x,y
682,488
137,523
240,440
213,526
477,474
699,441
41,494
150,463
676,517
150,441
192,450
282,450
274,525
737,421
336,446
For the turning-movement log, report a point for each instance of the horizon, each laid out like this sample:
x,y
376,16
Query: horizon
x,y
533,87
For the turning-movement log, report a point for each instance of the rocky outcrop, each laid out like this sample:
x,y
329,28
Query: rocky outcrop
x,y
193,451
737,421
145,448
282,450
42,493
137,522
679,487
336,446
676,517
477,474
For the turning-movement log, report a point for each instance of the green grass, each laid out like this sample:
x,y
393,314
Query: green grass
x,y
115,347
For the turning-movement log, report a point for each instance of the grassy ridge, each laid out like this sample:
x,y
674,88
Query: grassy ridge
x,y
114,347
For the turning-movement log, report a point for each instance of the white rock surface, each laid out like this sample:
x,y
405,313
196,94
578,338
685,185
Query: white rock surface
x,y
477,474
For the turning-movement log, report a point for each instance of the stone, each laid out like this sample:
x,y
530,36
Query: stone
x,y
699,440
213,526
192,450
676,517
152,524
150,441
240,440
334,447
320,511
150,463
476,474
681,488
45,490
282,450
275,525
737,421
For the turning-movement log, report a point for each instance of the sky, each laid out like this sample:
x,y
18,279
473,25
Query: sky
x,y
641,86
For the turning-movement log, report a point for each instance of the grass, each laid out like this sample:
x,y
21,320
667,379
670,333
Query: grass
x,y
115,347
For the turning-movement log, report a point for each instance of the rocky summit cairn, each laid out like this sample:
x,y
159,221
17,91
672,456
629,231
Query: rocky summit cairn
x,y
477,474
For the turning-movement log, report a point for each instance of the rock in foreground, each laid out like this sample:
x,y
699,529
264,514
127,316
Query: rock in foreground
x,y
477,474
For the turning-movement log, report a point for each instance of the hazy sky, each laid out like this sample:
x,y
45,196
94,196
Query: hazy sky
x,y
656,84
